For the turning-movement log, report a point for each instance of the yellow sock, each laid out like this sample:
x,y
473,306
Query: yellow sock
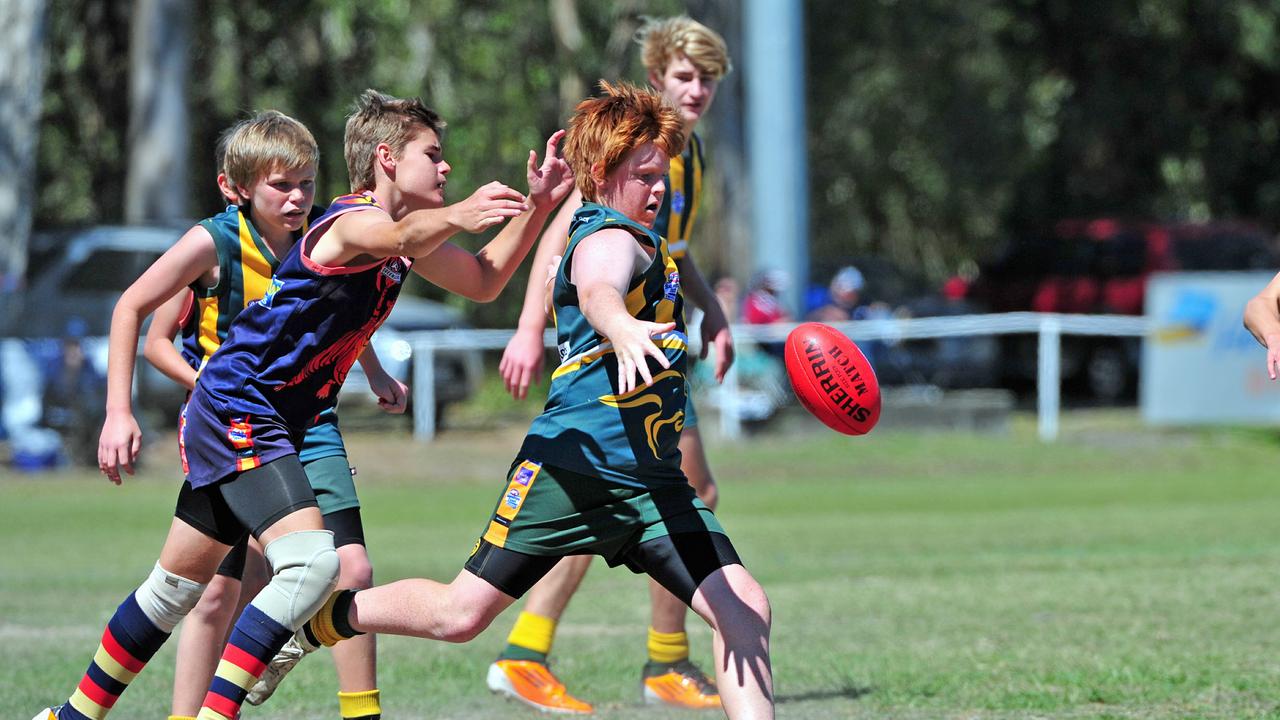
x,y
181,717
322,625
668,648
533,632
362,705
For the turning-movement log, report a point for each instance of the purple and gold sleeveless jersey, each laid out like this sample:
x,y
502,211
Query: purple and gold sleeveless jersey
x,y
286,356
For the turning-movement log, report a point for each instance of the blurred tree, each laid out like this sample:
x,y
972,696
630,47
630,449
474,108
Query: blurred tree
x,y
942,128
157,178
22,27
84,113
938,128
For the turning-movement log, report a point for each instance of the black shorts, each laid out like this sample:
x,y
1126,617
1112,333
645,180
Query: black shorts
x,y
246,503
677,562
346,526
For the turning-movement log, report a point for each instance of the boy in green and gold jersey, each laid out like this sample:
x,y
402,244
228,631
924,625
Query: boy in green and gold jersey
x,y
685,61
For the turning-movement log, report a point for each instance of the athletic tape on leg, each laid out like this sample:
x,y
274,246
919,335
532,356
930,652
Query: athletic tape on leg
x,y
166,598
305,569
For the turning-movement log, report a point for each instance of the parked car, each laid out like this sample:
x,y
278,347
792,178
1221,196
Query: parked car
x,y
74,278
1102,266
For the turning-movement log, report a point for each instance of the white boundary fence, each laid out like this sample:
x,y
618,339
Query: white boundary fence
x,y
1050,328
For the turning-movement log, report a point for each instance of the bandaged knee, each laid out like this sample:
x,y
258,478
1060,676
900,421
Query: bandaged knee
x,y
166,598
305,570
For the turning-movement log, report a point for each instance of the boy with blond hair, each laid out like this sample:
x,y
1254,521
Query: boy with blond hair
x,y
244,259
685,61
599,470
280,366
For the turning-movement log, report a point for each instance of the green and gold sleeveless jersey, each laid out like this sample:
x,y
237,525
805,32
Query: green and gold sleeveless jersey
x,y
680,204
586,426
245,267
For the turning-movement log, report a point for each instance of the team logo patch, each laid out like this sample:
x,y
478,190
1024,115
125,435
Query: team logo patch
x,y
677,202
512,499
524,475
270,295
671,288
394,270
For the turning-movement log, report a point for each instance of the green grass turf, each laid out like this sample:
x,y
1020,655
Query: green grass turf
x,y
1120,573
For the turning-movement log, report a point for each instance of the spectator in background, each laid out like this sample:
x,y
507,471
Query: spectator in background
x,y
763,304
843,301
73,396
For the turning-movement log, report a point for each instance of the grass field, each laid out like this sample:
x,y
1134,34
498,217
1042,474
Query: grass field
x,y
1120,573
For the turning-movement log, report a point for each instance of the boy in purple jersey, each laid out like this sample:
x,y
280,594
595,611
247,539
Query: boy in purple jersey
x,y
243,262
279,367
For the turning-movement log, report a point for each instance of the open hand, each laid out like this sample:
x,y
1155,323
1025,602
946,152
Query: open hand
x,y
632,344
550,182
118,446
521,363
490,205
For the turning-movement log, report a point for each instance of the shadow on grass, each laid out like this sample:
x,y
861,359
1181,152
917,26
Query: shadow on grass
x,y
852,692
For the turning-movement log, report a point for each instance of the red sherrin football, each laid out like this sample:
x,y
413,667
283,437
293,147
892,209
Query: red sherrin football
x,y
833,379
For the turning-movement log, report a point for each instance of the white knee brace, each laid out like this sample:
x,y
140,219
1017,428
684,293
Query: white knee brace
x,y
305,568
166,598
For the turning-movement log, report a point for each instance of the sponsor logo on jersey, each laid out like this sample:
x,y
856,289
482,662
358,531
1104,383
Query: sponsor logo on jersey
x,y
677,202
671,288
394,270
524,475
269,296
564,350
512,499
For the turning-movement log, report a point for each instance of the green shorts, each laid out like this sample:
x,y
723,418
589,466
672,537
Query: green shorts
x,y
690,414
333,481
548,511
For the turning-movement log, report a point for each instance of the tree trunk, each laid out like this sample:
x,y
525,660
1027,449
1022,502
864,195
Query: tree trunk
x,y
22,28
160,49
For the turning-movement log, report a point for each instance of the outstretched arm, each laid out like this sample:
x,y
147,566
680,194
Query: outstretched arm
x,y
1262,318
603,265
358,236
483,275
121,438
522,360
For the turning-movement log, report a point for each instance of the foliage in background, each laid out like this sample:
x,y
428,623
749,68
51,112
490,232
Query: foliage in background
x,y
491,69
85,114
940,128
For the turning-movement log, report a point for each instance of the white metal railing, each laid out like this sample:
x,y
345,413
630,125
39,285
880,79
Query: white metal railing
x,y
1050,327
